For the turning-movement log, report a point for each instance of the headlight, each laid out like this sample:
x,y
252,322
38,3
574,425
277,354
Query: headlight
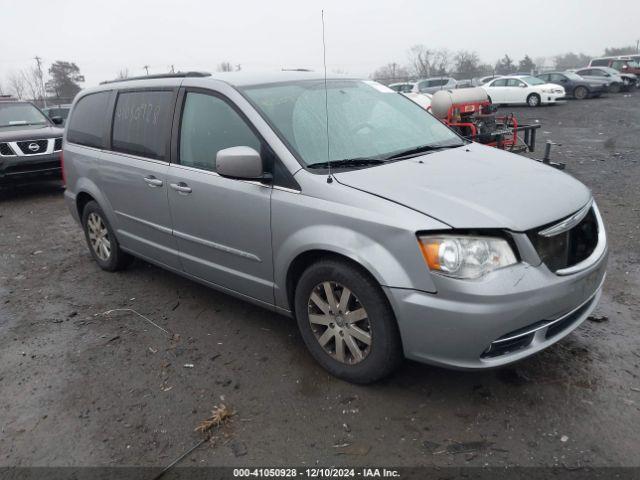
x,y
547,90
465,256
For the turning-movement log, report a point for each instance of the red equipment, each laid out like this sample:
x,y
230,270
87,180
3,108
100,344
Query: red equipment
x,y
471,113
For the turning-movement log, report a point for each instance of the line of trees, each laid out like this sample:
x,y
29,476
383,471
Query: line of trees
x,y
29,83
426,62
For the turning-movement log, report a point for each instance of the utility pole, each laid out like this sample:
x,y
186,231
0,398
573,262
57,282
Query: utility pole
x,y
146,67
637,46
39,62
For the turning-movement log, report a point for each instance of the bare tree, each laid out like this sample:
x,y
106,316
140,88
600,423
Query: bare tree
x,y
16,84
466,64
441,61
225,67
122,74
420,57
391,72
33,82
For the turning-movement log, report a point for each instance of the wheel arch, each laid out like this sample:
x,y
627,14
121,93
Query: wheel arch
x,y
307,258
87,191
534,94
82,198
588,90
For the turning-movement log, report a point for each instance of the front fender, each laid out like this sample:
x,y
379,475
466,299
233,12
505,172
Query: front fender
x,y
380,237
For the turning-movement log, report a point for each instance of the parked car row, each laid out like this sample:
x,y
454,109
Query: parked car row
x,y
607,74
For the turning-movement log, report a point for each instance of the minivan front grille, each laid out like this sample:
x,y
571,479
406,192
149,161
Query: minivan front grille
x,y
29,147
567,248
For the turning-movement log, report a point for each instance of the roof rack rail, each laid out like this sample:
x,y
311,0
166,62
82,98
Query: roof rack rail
x,y
160,75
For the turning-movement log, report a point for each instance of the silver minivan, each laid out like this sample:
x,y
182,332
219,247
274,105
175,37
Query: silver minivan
x,y
342,204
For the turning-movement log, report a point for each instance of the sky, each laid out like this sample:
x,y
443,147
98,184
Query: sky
x,y
103,37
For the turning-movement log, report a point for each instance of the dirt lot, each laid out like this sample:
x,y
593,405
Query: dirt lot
x,y
80,387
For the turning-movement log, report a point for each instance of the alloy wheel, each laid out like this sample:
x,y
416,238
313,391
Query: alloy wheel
x,y
99,236
339,322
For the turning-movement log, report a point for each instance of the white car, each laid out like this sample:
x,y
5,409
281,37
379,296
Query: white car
x,y
402,87
523,89
422,99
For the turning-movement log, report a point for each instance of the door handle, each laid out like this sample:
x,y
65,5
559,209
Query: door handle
x,y
181,187
153,181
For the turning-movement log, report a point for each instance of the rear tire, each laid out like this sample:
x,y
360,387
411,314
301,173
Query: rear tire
x,y
580,93
359,342
533,100
102,242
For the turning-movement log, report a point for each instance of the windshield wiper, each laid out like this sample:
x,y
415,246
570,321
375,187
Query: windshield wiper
x,y
347,162
421,149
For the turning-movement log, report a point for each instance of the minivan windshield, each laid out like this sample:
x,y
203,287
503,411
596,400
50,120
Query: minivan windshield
x,y
366,120
14,114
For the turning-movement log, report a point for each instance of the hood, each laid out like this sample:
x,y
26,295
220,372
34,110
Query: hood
x,y
475,187
29,132
551,86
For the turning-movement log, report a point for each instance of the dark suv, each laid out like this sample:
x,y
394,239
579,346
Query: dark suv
x,y
30,143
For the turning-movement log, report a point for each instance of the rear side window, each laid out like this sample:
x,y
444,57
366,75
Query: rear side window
x,y
600,63
89,120
209,124
141,123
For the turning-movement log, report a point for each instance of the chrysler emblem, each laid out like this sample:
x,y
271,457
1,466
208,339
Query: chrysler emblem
x,y
33,147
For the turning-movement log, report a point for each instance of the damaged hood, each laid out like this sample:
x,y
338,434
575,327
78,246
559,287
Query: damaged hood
x,y
475,187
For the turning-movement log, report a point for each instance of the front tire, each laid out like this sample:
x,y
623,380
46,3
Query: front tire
x,y
580,93
615,88
102,242
346,322
533,100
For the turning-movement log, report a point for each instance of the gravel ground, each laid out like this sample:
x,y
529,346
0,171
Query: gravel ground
x,y
81,387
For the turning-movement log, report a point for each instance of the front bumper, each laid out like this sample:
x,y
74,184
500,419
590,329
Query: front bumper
x,y
18,169
547,98
504,317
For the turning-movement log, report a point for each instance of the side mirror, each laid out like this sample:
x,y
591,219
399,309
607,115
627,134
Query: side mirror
x,y
239,162
522,85
57,120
